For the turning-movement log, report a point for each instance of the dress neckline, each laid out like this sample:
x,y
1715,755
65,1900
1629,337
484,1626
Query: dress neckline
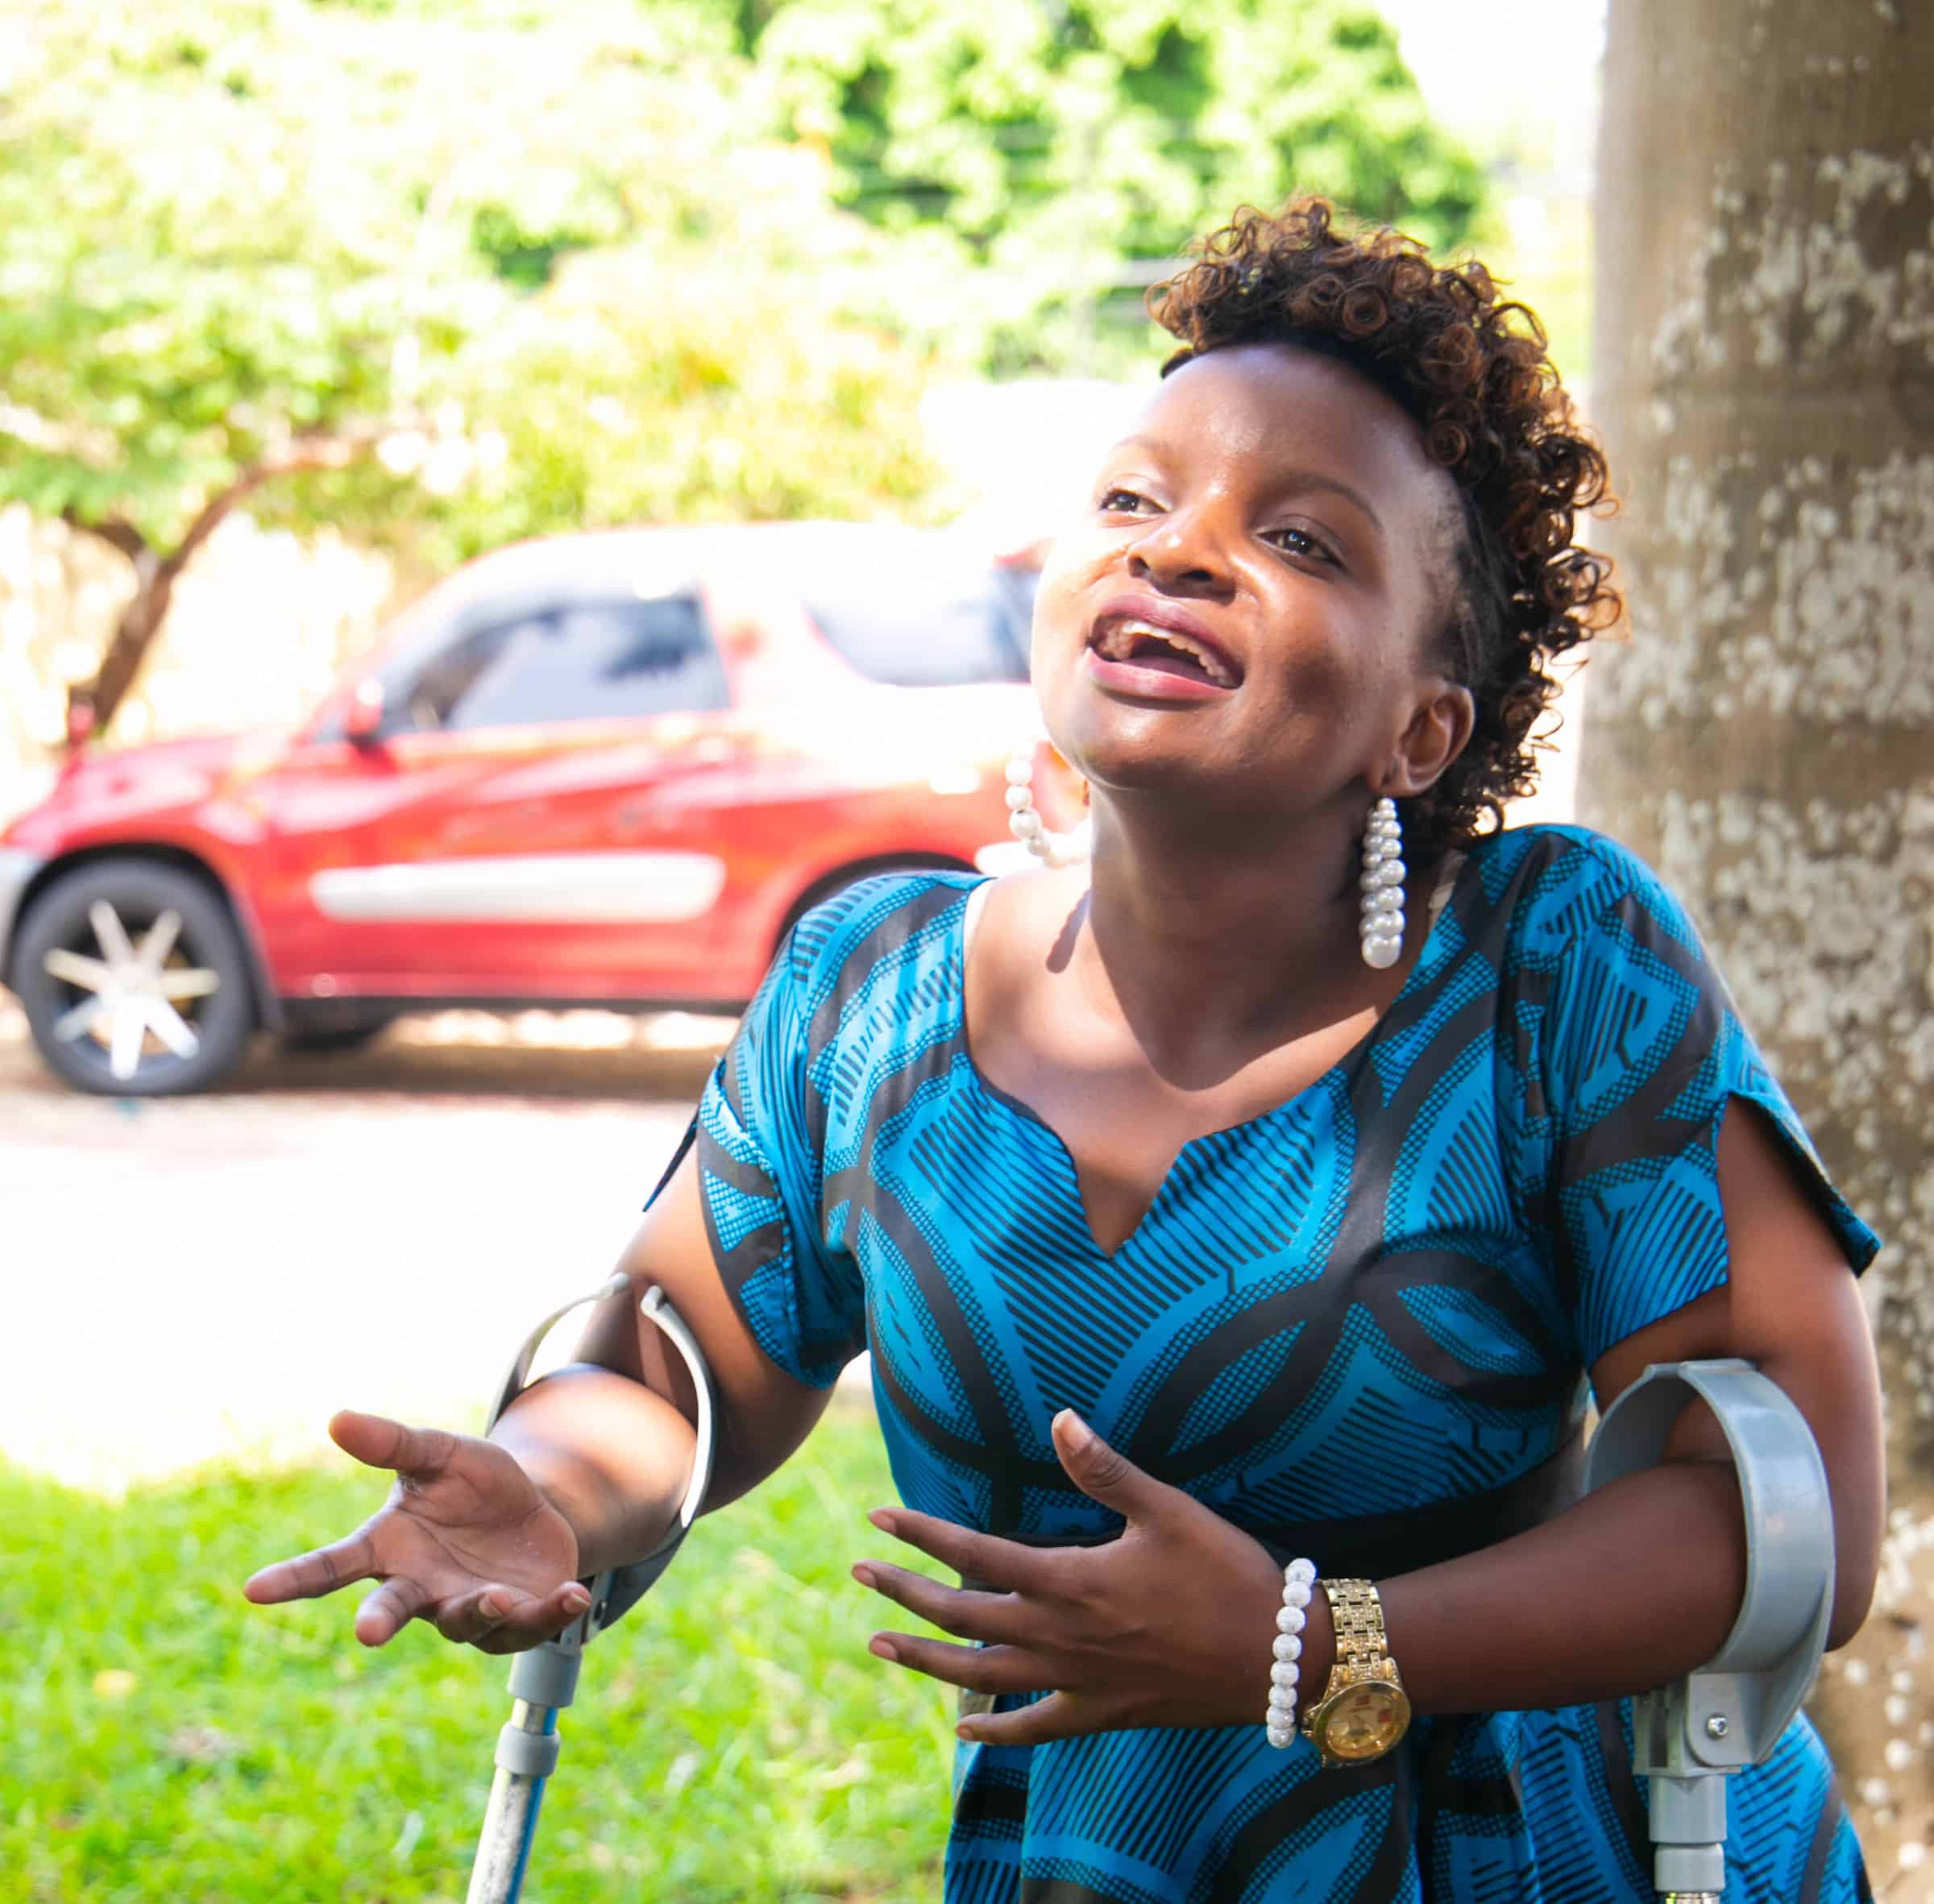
x,y
1450,878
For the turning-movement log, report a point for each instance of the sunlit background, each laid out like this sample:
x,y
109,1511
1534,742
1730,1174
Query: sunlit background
x,y
304,304
321,318
309,308
570,288
799,326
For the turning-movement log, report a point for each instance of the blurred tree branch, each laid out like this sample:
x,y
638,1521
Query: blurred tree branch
x,y
118,535
91,705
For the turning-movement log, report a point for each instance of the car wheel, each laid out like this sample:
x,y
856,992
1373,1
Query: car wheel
x,y
134,979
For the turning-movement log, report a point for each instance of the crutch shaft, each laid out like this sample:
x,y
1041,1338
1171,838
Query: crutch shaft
x,y
544,1679
527,1752
503,1846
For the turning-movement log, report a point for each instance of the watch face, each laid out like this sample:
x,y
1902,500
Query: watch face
x,y
1363,1721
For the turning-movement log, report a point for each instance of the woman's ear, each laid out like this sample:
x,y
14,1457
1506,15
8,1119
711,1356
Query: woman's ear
x,y
1439,731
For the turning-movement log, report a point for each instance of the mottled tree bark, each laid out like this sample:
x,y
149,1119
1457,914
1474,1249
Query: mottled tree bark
x,y
1764,376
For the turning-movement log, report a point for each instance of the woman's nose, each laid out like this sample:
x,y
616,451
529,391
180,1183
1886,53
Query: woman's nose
x,y
1179,548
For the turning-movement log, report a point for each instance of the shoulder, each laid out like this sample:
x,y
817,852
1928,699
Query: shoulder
x,y
1551,887
878,920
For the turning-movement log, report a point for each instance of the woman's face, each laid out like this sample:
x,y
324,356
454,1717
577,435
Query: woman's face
x,y
1244,614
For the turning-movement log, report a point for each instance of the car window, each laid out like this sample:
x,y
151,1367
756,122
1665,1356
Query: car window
x,y
934,631
580,661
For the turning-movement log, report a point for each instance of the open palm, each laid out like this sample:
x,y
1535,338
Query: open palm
x,y
465,1540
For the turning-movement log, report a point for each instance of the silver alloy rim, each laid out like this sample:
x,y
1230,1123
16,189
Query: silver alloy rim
x,y
133,990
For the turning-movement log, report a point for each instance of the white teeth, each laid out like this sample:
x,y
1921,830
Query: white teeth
x,y
1119,640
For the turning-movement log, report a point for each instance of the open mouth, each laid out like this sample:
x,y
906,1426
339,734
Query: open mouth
x,y
1166,650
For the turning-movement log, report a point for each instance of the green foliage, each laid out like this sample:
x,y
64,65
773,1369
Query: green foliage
x,y
1065,146
699,404
226,226
733,1738
615,262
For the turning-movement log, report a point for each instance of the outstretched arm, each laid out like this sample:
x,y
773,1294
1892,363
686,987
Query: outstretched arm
x,y
609,1437
585,1471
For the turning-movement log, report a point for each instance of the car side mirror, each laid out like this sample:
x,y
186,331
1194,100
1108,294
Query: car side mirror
x,y
362,719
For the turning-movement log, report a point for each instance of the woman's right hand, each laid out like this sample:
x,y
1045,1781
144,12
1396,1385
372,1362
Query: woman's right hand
x,y
466,1540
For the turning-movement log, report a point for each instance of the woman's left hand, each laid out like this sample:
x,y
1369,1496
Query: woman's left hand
x,y
1170,1625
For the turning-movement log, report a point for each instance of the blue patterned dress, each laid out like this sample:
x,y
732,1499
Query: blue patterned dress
x,y
1356,1325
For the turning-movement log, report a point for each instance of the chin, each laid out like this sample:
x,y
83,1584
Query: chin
x,y
1126,749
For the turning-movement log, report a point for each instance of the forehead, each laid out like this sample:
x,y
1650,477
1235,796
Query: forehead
x,y
1253,410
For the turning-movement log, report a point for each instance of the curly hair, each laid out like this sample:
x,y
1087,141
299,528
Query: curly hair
x,y
1472,372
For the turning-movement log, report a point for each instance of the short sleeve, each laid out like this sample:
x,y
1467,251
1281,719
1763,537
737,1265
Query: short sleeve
x,y
759,1169
1643,1053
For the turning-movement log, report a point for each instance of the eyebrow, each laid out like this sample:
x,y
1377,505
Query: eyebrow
x,y
1292,480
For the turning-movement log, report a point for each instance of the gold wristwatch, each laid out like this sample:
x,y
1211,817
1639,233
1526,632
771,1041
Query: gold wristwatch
x,y
1364,1710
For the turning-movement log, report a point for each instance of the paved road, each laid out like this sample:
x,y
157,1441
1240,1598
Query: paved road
x,y
194,1276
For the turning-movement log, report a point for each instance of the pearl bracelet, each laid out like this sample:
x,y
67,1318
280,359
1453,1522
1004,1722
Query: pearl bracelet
x,y
1299,1577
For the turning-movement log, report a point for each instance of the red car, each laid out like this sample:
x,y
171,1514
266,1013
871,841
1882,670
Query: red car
x,y
608,769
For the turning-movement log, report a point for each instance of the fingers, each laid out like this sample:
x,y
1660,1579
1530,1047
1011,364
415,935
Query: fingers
x,y
1056,1717
972,1615
547,1617
980,1669
1105,1475
473,1616
500,1620
377,1441
1007,1566
388,1610
309,1575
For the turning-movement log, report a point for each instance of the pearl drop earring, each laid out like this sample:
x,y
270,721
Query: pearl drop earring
x,y
1051,849
1383,883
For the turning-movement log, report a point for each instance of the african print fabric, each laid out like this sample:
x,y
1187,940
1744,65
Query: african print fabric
x,y
1374,1300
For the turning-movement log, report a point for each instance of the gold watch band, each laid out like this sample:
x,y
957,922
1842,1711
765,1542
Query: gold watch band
x,y
1364,1710
1357,1615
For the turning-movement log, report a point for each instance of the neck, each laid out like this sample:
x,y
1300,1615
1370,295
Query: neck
x,y
1217,945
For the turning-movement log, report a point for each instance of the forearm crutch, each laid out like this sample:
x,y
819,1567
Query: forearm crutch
x,y
543,1680
1688,1737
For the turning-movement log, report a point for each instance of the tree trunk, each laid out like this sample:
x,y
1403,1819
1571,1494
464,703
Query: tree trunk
x,y
92,706
1764,376
135,633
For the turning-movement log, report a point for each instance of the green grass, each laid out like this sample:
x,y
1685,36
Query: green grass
x,y
733,1738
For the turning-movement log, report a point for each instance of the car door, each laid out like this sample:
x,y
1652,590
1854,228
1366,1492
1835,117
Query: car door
x,y
532,823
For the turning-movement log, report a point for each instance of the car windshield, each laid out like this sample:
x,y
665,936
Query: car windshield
x,y
922,626
906,608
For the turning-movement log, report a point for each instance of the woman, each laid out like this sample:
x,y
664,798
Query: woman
x,y
1250,1192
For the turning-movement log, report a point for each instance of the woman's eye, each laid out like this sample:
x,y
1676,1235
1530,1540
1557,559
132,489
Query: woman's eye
x,y
1299,541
